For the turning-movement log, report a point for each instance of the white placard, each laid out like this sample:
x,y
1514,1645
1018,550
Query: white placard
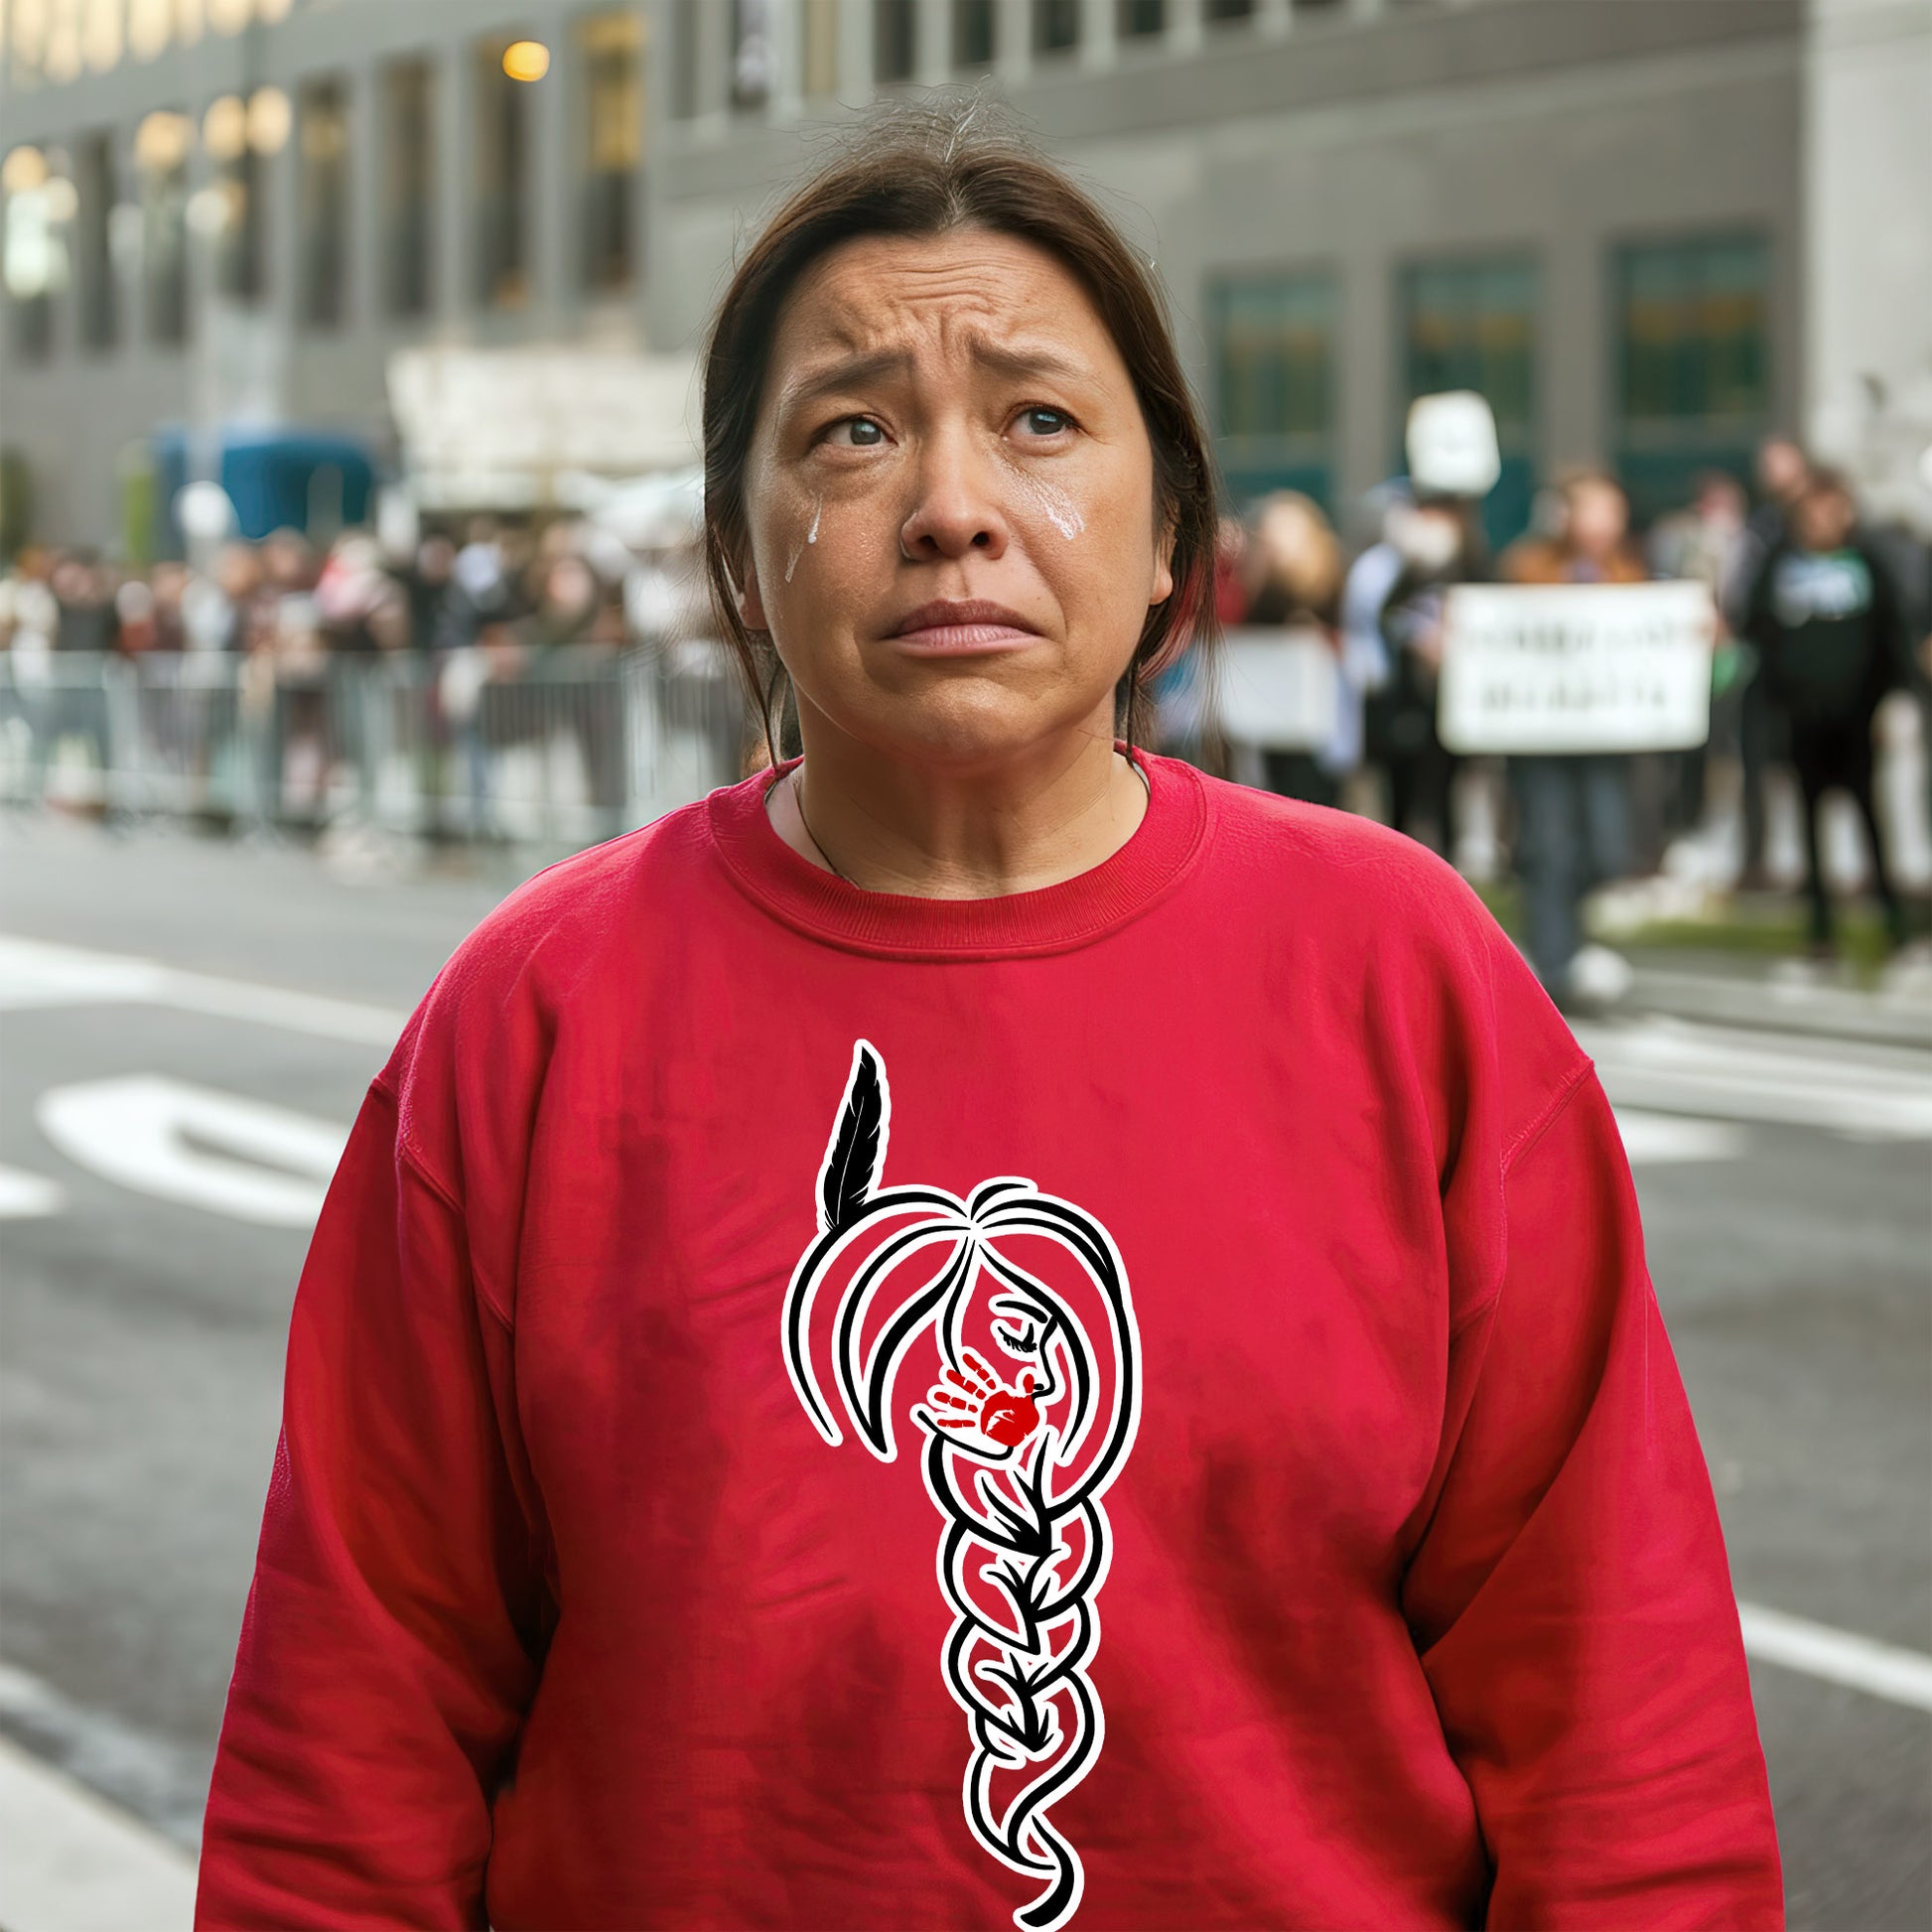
x,y
1576,667
1451,440
1278,689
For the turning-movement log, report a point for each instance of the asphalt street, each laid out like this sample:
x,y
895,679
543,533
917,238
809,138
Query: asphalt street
x,y
174,1080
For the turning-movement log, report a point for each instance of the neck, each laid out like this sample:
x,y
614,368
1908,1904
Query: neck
x,y
974,830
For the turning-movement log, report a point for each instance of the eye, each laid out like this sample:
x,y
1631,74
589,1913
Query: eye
x,y
1063,420
859,422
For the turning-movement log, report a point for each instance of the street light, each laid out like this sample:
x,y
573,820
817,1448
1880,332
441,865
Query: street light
x,y
526,60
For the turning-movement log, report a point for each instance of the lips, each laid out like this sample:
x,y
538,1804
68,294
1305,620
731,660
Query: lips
x,y
962,625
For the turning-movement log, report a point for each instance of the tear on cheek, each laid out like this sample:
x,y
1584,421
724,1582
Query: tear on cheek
x,y
811,536
1052,501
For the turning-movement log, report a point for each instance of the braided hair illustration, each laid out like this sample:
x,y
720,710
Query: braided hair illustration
x,y
1017,1474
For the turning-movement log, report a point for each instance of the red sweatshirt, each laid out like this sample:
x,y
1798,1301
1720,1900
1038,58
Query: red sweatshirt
x,y
1137,1404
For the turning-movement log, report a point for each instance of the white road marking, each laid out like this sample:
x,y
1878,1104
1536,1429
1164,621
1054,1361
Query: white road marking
x,y
71,1861
1665,1139
1659,1065
36,974
1882,1670
141,1131
27,1196
1680,1067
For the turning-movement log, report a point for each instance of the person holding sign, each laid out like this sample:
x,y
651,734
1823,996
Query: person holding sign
x,y
1573,811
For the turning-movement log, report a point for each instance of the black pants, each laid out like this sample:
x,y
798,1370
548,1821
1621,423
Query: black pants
x,y
1421,784
1837,753
1295,775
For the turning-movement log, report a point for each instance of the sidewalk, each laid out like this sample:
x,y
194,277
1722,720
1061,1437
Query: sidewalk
x,y
1738,959
1781,995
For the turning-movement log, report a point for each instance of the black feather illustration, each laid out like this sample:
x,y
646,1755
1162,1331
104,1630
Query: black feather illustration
x,y
858,1149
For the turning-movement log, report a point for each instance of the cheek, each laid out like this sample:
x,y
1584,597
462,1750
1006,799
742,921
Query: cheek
x,y
1093,541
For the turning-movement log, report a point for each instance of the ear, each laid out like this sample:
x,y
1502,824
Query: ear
x,y
751,605
1162,564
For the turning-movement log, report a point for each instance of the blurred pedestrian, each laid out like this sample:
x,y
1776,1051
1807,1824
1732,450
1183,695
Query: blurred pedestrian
x,y
1828,622
1439,544
87,633
1702,544
1572,810
1293,586
1783,473
426,583
359,607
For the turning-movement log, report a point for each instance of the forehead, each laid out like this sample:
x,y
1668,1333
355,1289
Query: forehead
x,y
940,298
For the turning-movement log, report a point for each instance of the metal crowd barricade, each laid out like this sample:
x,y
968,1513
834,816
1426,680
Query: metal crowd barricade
x,y
553,750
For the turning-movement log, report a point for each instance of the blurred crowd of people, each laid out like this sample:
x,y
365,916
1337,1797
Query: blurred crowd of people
x,y
1819,618
516,588
470,617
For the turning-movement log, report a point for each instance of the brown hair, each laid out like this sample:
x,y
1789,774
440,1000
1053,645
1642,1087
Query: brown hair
x,y
923,170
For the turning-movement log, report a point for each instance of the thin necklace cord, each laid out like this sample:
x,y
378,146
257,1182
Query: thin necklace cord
x,y
798,799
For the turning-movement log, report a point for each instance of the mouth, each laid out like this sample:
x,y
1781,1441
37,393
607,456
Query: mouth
x,y
961,629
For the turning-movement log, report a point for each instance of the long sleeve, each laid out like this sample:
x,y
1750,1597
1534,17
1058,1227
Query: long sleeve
x,y
1570,1594
389,1644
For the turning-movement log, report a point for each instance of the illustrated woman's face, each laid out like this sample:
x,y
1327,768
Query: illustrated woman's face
x,y
948,420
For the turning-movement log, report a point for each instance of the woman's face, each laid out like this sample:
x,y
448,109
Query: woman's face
x,y
949,419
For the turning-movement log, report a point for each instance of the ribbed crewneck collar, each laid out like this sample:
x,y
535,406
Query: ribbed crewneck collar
x,y
1052,919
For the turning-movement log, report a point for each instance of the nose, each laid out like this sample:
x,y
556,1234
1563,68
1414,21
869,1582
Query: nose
x,y
956,507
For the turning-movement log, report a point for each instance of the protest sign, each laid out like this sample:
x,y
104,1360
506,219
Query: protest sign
x,y
1576,667
1278,689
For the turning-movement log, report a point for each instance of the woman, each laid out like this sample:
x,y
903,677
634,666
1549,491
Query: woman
x,y
980,1328
1295,578
1574,811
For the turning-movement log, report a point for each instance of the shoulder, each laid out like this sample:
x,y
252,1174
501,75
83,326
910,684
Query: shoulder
x,y
1531,560
1342,869
1384,937
563,916
491,1012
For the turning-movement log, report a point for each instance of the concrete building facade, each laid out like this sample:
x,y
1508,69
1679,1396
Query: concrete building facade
x,y
1650,232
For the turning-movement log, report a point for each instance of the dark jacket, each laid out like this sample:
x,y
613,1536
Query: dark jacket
x,y
1830,629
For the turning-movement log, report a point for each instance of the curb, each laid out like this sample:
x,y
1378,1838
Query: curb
x,y
1774,1005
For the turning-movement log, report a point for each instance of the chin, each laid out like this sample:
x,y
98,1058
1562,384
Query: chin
x,y
969,722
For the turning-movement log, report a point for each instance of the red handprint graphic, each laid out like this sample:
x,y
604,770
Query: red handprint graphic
x,y
979,1399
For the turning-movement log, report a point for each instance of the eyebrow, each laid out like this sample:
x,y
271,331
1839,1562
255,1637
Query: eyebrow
x,y
856,370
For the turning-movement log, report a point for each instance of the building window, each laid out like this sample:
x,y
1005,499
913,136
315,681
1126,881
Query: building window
x,y
501,155
751,53
1216,11
1271,341
613,152
1692,376
1141,19
819,28
36,202
161,168
408,187
321,195
1471,325
238,270
1056,26
972,33
892,39
94,182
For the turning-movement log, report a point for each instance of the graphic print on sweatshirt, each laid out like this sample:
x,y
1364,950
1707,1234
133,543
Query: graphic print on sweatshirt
x,y
1034,1405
